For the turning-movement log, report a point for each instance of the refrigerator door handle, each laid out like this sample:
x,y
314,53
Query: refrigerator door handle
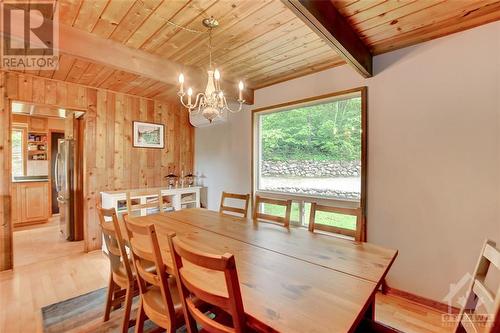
x,y
56,172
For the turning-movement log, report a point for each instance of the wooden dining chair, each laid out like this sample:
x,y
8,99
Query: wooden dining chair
x,y
356,212
281,220
230,315
155,201
122,285
159,300
469,320
224,208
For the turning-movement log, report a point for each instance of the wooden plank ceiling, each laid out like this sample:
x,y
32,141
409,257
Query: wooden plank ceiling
x,y
259,41
86,73
386,25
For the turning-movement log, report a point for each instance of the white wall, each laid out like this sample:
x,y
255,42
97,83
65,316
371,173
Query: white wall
x,y
433,146
222,157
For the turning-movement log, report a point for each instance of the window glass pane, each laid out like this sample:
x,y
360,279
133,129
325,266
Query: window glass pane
x,y
332,219
312,150
280,210
17,153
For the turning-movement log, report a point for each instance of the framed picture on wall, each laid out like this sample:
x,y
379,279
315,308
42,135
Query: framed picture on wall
x,y
148,135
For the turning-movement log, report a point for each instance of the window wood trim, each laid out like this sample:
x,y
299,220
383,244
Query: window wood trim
x,y
24,129
363,91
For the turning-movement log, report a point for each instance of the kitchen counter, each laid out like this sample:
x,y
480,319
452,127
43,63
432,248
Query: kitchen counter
x,y
30,180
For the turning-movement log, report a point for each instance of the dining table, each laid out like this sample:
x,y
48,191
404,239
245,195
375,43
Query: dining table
x,y
291,280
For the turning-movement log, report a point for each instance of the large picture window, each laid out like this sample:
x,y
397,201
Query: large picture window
x,y
313,151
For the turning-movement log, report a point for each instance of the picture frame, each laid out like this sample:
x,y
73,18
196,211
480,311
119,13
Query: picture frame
x,y
148,135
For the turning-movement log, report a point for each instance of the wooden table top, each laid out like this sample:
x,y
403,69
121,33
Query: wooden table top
x,y
286,293
360,259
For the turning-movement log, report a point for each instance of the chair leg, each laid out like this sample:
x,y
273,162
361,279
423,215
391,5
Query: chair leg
x,y
191,324
128,306
141,316
109,297
119,294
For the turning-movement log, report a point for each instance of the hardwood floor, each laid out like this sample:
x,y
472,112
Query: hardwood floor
x,y
36,243
48,272
407,316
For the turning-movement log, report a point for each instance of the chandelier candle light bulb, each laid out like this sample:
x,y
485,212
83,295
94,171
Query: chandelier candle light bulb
x,y
181,81
190,93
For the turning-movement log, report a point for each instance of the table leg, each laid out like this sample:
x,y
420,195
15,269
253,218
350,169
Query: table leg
x,y
370,311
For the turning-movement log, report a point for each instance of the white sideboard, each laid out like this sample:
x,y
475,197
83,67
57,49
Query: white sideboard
x,y
178,198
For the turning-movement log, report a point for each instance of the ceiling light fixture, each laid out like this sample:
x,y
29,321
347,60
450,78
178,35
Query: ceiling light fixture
x,y
212,103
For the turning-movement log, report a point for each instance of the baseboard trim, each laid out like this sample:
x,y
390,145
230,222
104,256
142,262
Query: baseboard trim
x,y
442,307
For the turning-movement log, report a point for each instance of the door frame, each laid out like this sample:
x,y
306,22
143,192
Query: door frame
x,y
8,247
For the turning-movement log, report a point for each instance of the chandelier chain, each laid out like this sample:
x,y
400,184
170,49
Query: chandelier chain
x,y
210,47
184,28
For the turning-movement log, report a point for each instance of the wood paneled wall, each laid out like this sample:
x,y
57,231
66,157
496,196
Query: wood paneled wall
x,y
110,161
6,256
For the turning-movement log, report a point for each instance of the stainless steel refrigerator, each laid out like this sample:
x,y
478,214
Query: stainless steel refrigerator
x,y
65,176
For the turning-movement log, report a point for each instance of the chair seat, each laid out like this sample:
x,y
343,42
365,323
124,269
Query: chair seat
x,y
224,318
121,278
155,306
221,317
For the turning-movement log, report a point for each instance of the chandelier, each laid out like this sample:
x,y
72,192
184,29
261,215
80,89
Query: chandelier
x,y
211,103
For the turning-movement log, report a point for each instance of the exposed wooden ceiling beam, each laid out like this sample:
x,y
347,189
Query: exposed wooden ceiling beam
x,y
92,48
324,19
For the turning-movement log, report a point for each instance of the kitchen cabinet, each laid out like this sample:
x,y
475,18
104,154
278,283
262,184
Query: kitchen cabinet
x,y
30,202
37,124
15,203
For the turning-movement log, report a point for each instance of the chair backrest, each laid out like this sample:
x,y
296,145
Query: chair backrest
x,y
154,200
146,254
243,211
283,220
231,302
356,234
469,320
115,243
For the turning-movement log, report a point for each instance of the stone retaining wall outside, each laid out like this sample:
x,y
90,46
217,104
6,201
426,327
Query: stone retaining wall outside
x,y
311,168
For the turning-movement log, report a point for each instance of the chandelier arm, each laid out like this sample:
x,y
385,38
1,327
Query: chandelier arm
x,y
192,106
200,101
181,98
226,106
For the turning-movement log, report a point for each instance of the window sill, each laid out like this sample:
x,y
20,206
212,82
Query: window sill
x,y
344,203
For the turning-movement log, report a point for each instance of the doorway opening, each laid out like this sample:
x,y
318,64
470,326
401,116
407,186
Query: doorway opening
x,y
46,182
